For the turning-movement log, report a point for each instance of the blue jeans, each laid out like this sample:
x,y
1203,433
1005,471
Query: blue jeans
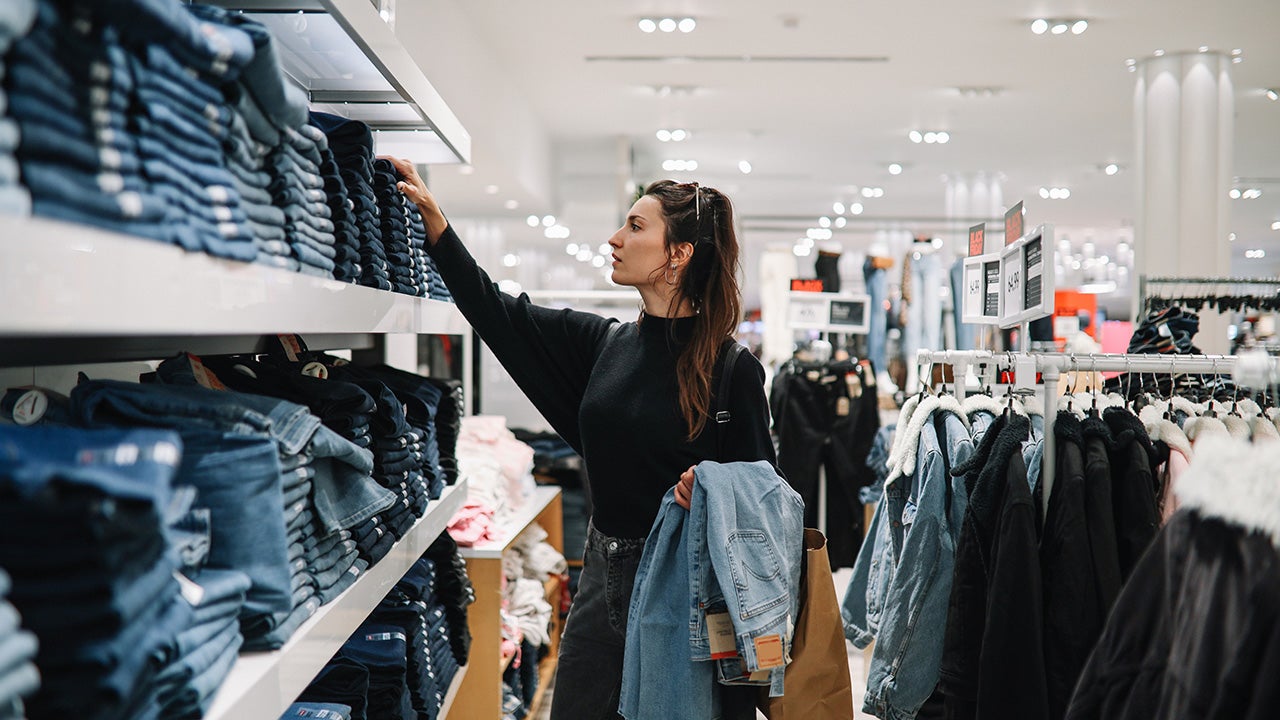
x,y
966,334
924,314
877,289
207,47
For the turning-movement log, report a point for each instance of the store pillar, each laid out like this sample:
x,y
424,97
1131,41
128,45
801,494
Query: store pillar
x,y
1184,126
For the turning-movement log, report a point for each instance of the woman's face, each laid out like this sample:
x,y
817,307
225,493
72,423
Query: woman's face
x,y
639,246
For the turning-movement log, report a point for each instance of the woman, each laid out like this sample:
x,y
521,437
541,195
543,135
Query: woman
x,y
633,401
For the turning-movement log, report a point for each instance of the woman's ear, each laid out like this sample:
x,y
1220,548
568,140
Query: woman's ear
x,y
682,253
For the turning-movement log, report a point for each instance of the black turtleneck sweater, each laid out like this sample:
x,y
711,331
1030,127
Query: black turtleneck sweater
x,y
618,406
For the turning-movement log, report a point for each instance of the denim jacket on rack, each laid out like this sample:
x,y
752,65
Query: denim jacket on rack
x,y
902,582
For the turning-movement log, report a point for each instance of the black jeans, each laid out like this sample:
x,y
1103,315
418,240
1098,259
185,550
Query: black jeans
x,y
589,673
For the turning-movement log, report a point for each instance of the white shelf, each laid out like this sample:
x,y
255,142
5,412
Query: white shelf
x,y
533,506
453,692
263,685
62,279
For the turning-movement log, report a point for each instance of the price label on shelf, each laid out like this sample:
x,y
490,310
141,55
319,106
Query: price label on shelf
x,y
991,289
1033,266
981,301
1011,279
1026,284
808,311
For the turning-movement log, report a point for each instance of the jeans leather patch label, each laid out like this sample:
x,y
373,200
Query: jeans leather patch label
x,y
768,651
720,628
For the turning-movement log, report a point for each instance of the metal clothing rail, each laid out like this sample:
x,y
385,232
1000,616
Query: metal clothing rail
x,y
1145,283
1051,366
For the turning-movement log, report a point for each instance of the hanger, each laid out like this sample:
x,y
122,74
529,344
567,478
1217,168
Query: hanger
x,y
1075,378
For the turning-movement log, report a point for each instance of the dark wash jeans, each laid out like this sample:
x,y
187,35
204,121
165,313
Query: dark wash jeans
x,y
589,674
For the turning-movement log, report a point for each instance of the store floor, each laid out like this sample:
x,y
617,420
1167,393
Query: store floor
x,y
857,669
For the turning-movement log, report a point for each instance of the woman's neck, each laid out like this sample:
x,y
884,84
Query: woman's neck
x,y
663,303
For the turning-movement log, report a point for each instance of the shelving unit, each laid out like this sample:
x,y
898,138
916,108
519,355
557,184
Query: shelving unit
x,y
481,695
452,695
263,685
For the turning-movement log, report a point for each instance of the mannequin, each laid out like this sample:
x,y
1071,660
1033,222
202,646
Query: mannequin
x,y
921,280
875,274
826,267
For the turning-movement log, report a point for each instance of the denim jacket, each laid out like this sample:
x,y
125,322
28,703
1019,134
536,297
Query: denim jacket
x,y
902,582
739,549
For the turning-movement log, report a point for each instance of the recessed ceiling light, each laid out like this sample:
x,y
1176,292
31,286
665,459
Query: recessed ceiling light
x,y
687,25
532,221
664,135
915,136
1039,26
895,169
679,135
571,249
1275,225
1058,28
837,207
491,189
1234,193
1272,94
597,261
647,25
667,25
1238,59
1204,48
744,167
548,220
1158,53
824,221
944,137
510,260
1231,237
511,204
855,208
1079,27
841,221
1237,52
931,137
1111,169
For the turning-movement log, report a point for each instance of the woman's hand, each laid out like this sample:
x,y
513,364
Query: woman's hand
x,y
684,488
416,190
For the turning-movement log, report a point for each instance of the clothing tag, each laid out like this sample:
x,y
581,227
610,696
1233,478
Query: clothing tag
x,y
768,651
191,592
291,347
380,637
316,370
203,376
759,676
842,406
30,407
720,628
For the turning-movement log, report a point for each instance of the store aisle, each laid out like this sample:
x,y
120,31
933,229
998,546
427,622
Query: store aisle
x,y
857,669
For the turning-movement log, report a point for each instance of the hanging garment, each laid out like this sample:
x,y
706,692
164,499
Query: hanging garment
x,y
993,657
820,426
902,580
827,269
1196,632
1137,517
1100,508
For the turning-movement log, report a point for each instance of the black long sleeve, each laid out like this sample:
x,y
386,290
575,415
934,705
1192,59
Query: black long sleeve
x,y
618,406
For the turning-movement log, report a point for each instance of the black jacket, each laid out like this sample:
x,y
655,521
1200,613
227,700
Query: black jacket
x,y
1194,634
993,650
1133,487
1073,612
1099,511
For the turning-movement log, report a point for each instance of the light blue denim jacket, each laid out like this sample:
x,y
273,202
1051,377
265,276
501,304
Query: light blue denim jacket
x,y
739,548
902,580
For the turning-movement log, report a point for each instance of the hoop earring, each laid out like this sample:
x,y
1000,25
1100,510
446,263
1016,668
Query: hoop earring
x,y
671,275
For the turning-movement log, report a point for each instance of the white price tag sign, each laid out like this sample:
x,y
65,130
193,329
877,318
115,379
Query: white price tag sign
x,y
1026,280
981,301
808,311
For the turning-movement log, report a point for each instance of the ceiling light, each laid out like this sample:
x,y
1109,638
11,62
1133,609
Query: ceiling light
x,y
1204,48
597,261
510,260
585,255
944,137
931,137
1044,193
868,192
1237,52
1234,193
1275,225
1058,28
855,208
1231,237
801,250
664,135
511,204
679,135
1255,254
1039,26
571,249
1111,169
837,207
878,192
667,25
491,189
1272,94
1079,26
548,220
744,167
1130,62
915,136
532,221
1064,193
687,25
1251,194
895,169
1158,53
1237,60
824,221
560,232
647,25
1055,194
1098,288
841,222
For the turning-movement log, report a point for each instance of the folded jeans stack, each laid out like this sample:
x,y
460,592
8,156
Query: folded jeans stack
x,y
449,416
345,232
82,537
323,711
208,647
16,18
351,142
19,677
69,89
395,230
298,189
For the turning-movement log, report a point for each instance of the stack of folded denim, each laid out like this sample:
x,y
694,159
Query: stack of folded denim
x,y
19,677
421,397
449,416
351,142
417,246
70,88
181,64
207,649
324,711
247,455
82,536
16,18
247,161
298,189
346,234
340,682
395,230
454,593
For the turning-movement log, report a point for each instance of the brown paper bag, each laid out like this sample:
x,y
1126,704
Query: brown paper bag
x,y
817,679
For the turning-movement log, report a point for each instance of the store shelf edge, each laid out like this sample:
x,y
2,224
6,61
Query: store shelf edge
x,y
263,685
452,695
108,284
542,496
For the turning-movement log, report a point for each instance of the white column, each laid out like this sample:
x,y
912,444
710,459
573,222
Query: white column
x,y
1184,125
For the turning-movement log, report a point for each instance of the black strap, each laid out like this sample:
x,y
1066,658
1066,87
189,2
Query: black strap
x,y
722,415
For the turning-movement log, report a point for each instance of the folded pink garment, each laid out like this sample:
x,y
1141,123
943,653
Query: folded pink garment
x,y
472,524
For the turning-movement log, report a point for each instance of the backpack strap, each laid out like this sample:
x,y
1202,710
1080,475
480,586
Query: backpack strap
x,y
722,415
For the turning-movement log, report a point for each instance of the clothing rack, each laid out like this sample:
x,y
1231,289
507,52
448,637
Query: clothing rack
x,y
1051,366
1145,283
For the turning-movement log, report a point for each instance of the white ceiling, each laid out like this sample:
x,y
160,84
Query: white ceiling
x,y
812,130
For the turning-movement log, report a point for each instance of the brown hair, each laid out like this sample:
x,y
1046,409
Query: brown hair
x,y
703,217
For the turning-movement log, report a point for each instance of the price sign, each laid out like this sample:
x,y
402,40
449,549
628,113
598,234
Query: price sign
x,y
977,239
807,285
981,301
1026,287
808,312
852,313
1013,224
830,312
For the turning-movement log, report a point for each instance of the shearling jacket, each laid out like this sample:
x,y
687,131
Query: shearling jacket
x,y
1196,631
